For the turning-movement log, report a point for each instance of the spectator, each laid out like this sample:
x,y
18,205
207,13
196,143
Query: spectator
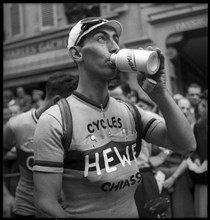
x,y
10,163
177,177
6,115
8,96
193,93
185,106
37,98
14,110
177,96
19,132
133,96
119,89
146,105
98,172
23,100
200,159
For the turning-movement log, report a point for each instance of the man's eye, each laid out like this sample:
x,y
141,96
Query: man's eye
x,y
101,39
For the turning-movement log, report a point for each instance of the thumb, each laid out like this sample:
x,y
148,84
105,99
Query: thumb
x,y
140,78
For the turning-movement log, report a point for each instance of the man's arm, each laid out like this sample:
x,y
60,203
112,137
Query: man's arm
x,y
9,140
47,188
176,133
179,171
48,165
8,202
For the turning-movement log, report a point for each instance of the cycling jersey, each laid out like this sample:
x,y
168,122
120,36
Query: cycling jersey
x,y
19,132
100,170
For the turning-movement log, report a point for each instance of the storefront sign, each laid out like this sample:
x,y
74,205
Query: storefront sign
x,y
35,48
192,24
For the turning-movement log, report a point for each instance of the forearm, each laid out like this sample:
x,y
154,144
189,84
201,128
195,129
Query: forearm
x,y
180,170
49,208
179,131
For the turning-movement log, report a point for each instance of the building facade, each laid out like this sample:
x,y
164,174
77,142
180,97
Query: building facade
x,y
35,39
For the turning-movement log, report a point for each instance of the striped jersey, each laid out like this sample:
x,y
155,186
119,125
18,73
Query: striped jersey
x,y
19,132
100,170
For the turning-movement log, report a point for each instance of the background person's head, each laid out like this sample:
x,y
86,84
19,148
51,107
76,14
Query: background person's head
x,y
177,96
184,105
60,85
203,107
193,93
133,96
20,91
37,94
119,89
14,110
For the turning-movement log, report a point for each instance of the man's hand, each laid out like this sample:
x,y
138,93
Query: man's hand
x,y
153,83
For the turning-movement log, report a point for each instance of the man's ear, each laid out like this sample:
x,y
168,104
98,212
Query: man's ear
x,y
76,53
56,98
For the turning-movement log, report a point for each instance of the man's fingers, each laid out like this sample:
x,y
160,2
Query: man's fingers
x,y
150,48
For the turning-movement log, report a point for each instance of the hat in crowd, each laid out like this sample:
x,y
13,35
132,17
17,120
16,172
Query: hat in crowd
x,y
38,92
86,25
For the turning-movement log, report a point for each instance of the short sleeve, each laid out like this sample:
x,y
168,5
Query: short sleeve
x,y
150,120
48,149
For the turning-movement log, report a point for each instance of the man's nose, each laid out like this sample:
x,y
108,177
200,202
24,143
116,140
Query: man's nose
x,y
113,46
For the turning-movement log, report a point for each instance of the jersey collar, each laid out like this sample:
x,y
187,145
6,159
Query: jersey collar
x,y
33,112
91,102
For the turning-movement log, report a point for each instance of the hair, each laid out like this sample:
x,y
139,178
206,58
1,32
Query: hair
x,y
193,85
136,94
61,83
114,83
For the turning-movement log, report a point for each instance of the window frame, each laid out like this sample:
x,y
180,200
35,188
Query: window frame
x,y
20,8
54,12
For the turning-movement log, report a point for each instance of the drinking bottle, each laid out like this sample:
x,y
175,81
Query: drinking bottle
x,y
132,60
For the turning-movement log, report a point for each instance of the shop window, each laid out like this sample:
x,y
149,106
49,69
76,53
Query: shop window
x,y
47,16
16,20
77,11
188,53
108,9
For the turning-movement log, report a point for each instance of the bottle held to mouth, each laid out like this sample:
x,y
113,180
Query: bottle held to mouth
x,y
131,60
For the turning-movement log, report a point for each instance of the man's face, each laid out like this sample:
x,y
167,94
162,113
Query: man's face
x,y
203,108
194,95
117,93
184,105
96,51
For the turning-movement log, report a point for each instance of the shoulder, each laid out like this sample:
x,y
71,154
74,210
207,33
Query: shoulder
x,y
51,116
21,119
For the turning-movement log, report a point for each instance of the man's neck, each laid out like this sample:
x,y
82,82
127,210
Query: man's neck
x,y
40,110
94,91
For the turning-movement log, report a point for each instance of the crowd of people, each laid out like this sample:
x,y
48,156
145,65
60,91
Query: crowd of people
x,y
166,173
105,171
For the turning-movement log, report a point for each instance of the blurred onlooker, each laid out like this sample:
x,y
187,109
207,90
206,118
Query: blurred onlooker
x,y
19,132
178,184
146,105
14,110
8,96
119,89
37,97
185,106
133,96
6,115
10,159
200,159
177,96
23,100
193,93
